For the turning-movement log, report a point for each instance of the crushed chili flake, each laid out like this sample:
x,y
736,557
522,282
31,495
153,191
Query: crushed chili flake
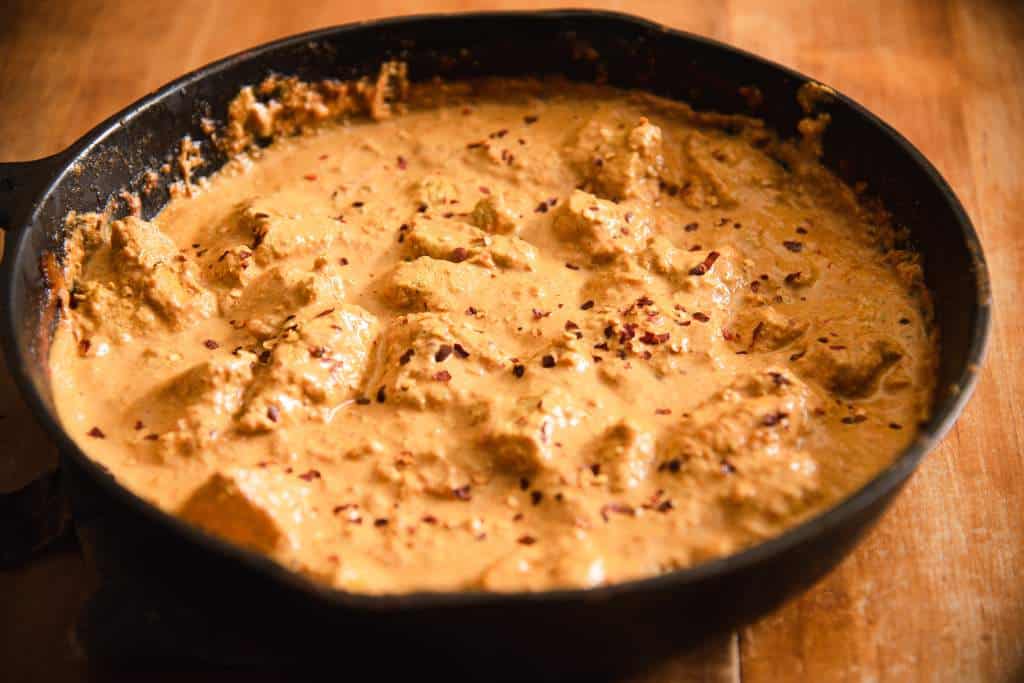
x,y
429,519
644,301
701,317
518,370
462,492
460,351
470,311
528,120
139,425
210,344
772,419
704,266
152,437
572,266
363,401
83,346
793,278
665,506
904,321
823,340
541,208
382,395
652,339
727,467
526,540
343,507
797,356
663,411
310,176
443,352
548,361
536,497
326,311
618,508
609,331
380,521
343,261
793,246
895,425
484,189
273,413
459,254
96,433
406,357
570,325
801,230
402,163
673,465
696,247
310,475
853,419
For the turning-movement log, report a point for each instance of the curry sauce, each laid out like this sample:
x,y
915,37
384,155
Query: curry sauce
x,y
497,335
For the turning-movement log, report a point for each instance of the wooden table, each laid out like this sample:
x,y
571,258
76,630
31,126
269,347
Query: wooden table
x,y
933,594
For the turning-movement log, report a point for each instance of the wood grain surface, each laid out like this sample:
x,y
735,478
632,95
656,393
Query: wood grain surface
x,y
935,592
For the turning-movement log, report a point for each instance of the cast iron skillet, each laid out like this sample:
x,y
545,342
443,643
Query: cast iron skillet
x,y
246,597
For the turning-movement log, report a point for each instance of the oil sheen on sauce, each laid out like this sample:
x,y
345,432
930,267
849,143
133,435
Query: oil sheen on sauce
x,y
515,336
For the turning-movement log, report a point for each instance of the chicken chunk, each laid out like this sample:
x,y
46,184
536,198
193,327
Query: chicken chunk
x,y
617,161
600,228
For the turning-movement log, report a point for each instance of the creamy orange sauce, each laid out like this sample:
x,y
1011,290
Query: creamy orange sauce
x,y
517,336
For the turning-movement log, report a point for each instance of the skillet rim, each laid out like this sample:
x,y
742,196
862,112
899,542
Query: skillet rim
x,y
945,412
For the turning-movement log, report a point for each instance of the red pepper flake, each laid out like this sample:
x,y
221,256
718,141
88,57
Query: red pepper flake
x,y
572,266
609,332
801,230
793,246
343,261
895,425
701,317
778,379
462,492
210,344
823,340
603,346
406,357
570,325
310,475
459,254
727,467
793,278
665,506
96,433
772,419
443,352
442,376
627,333
524,483
152,437
139,425
382,395
618,508
326,311
474,145
548,361
484,189
690,227
518,370
428,519
904,321
83,346
587,305
470,311
538,314
837,347
536,497
797,356
317,351
644,301
673,465
652,339
526,540
363,401
460,351
402,163
273,413
310,176
705,266
529,120
499,133
854,419
541,208
343,507
380,521
663,411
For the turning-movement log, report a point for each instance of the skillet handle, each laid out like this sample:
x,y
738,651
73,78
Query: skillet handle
x,y
35,515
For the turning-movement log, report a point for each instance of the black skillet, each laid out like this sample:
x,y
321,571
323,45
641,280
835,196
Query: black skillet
x,y
243,597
